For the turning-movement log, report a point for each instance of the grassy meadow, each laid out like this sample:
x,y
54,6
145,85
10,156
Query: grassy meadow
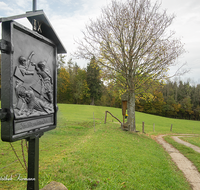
x,y
83,157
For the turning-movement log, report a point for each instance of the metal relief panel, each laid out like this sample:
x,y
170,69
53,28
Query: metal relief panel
x,y
33,80
32,83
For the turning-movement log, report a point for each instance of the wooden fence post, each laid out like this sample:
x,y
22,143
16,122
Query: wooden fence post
x,y
171,127
143,126
105,117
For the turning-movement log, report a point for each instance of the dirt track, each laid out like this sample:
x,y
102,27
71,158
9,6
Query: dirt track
x,y
176,138
187,167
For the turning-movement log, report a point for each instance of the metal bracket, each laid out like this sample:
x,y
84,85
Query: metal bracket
x,y
5,46
4,114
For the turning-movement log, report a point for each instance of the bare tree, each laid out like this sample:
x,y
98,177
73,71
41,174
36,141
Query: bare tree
x,y
130,39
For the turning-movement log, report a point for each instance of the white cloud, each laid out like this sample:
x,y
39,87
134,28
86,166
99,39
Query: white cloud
x,y
68,18
24,4
5,7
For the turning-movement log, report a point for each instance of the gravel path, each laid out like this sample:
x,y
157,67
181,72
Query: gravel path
x,y
187,167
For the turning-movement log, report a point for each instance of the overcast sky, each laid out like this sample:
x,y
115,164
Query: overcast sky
x,y
68,18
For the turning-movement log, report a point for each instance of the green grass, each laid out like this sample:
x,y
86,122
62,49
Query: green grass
x,y
163,125
107,158
192,155
80,113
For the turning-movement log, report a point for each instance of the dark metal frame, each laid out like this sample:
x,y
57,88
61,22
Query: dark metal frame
x,y
9,132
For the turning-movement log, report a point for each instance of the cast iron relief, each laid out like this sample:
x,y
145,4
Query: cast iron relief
x,y
28,84
29,77
33,88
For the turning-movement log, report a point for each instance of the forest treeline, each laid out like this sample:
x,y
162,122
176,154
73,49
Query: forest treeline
x,y
172,99
77,85
90,85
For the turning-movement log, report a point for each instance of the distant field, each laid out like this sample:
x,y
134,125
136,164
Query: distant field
x,y
162,124
106,157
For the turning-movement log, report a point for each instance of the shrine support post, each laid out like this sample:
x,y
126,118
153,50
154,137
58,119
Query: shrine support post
x,y
33,164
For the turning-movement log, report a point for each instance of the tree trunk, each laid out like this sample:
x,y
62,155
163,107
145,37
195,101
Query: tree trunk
x,y
131,112
128,109
92,101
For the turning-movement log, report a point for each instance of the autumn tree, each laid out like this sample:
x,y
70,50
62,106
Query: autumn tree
x,y
72,69
131,39
81,90
78,83
186,107
63,81
157,103
63,87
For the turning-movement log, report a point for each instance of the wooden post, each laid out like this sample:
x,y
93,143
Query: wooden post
x,y
143,126
171,127
105,117
124,107
153,127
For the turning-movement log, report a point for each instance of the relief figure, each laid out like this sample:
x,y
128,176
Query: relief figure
x,y
24,65
46,80
33,89
35,104
28,104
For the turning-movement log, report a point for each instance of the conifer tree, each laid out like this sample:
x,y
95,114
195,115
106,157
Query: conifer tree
x,y
94,81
